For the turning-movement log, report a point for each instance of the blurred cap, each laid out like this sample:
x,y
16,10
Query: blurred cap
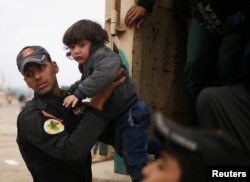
x,y
198,150
31,54
213,147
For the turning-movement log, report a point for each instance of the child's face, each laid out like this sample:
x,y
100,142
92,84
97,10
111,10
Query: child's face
x,y
165,169
80,51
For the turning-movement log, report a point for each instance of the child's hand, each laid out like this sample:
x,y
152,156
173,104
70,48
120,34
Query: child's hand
x,y
70,100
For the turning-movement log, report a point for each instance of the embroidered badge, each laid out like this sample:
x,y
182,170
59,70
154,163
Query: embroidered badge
x,y
27,52
53,126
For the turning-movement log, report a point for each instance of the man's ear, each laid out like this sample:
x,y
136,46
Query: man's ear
x,y
55,67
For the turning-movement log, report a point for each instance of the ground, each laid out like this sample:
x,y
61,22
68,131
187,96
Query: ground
x,y
12,167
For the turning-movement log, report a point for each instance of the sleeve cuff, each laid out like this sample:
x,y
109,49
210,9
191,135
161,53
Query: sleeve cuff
x,y
79,95
148,5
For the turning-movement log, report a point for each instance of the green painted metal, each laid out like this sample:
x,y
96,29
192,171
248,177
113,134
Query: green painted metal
x,y
103,148
119,165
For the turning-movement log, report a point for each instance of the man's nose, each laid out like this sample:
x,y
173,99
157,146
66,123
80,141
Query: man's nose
x,y
37,74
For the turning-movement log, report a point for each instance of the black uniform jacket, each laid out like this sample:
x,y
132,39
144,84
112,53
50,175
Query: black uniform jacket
x,y
54,143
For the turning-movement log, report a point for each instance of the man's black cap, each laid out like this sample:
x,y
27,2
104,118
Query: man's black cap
x,y
34,54
213,147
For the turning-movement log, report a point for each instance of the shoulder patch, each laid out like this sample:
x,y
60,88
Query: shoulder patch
x,y
53,126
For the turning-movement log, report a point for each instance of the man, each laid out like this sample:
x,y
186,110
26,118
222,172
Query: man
x,y
222,140
55,142
196,155
214,30
227,107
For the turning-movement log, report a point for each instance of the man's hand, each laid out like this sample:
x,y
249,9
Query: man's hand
x,y
136,14
99,100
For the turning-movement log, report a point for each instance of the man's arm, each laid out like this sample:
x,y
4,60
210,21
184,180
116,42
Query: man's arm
x,y
99,100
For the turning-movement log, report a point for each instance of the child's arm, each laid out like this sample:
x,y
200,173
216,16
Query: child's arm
x,y
104,73
70,100
73,87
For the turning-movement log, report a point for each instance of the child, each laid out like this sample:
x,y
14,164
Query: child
x,y
98,65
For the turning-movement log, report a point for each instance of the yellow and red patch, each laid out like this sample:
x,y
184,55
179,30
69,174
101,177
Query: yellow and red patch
x,y
53,126
27,52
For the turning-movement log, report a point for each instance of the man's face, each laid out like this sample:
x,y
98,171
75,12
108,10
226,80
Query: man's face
x,y
165,169
42,77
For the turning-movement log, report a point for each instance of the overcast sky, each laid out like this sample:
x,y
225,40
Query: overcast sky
x,y
33,22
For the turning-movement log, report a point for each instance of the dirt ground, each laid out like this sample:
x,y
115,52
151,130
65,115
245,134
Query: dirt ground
x,y
12,167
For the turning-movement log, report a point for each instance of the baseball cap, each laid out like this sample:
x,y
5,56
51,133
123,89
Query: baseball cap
x,y
213,147
31,54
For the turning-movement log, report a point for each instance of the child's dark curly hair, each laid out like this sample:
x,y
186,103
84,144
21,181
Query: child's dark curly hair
x,y
85,30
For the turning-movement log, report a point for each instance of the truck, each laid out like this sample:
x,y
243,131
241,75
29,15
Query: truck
x,y
155,55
